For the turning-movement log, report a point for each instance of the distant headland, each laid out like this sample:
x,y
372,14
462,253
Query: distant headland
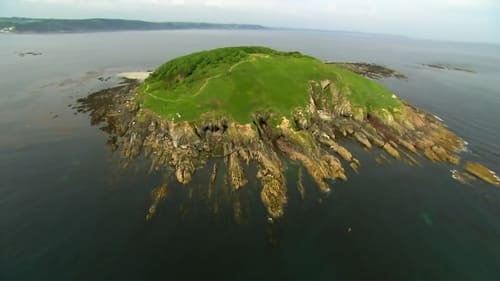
x,y
36,25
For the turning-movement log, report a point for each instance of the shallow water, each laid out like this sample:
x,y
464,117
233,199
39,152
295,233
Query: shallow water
x,y
68,209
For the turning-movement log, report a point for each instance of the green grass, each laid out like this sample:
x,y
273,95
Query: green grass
x,y
242,80
364,92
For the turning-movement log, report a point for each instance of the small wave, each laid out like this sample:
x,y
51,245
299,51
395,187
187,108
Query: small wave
x,y
465,147
438,118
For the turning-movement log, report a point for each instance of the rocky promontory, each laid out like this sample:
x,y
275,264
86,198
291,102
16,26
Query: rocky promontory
x,y
189,111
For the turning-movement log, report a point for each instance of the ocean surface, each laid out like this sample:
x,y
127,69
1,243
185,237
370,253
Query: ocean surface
x,y
69,210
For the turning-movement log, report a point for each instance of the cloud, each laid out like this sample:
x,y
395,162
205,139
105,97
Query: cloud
x,y
471,3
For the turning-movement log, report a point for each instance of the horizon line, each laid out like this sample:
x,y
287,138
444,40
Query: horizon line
x,y
264,27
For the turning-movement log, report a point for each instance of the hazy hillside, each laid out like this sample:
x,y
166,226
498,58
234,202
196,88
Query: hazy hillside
x,y
86,25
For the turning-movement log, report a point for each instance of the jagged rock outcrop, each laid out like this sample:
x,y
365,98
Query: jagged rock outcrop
x,y
308,136
480,171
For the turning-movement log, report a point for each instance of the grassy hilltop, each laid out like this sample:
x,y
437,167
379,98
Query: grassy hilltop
x,y
257,105
238,81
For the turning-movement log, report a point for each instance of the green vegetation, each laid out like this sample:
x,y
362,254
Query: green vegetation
x,y
86,25
364,92
239,81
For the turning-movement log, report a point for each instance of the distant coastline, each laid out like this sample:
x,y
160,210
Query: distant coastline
x,y
36,25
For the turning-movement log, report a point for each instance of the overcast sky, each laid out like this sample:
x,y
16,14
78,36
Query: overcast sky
x,y
458,20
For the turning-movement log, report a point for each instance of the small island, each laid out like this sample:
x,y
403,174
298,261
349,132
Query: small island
x,y
258,106
449,67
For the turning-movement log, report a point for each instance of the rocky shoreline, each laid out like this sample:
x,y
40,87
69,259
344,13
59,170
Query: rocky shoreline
x,y
310,138
370,70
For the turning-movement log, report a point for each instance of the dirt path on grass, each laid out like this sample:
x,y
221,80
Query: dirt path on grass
x,y
231,68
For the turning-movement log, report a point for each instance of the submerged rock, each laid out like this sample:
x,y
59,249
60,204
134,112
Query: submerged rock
x,y
158,194
300,184
449,67
461,176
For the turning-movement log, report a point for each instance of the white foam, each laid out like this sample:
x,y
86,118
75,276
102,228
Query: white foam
x,y
465,147
438,118
141,76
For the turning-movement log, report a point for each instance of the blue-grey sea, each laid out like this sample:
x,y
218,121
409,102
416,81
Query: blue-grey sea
x,y
69,210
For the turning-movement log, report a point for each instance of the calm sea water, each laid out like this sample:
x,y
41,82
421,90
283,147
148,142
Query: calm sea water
x,y
69,211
